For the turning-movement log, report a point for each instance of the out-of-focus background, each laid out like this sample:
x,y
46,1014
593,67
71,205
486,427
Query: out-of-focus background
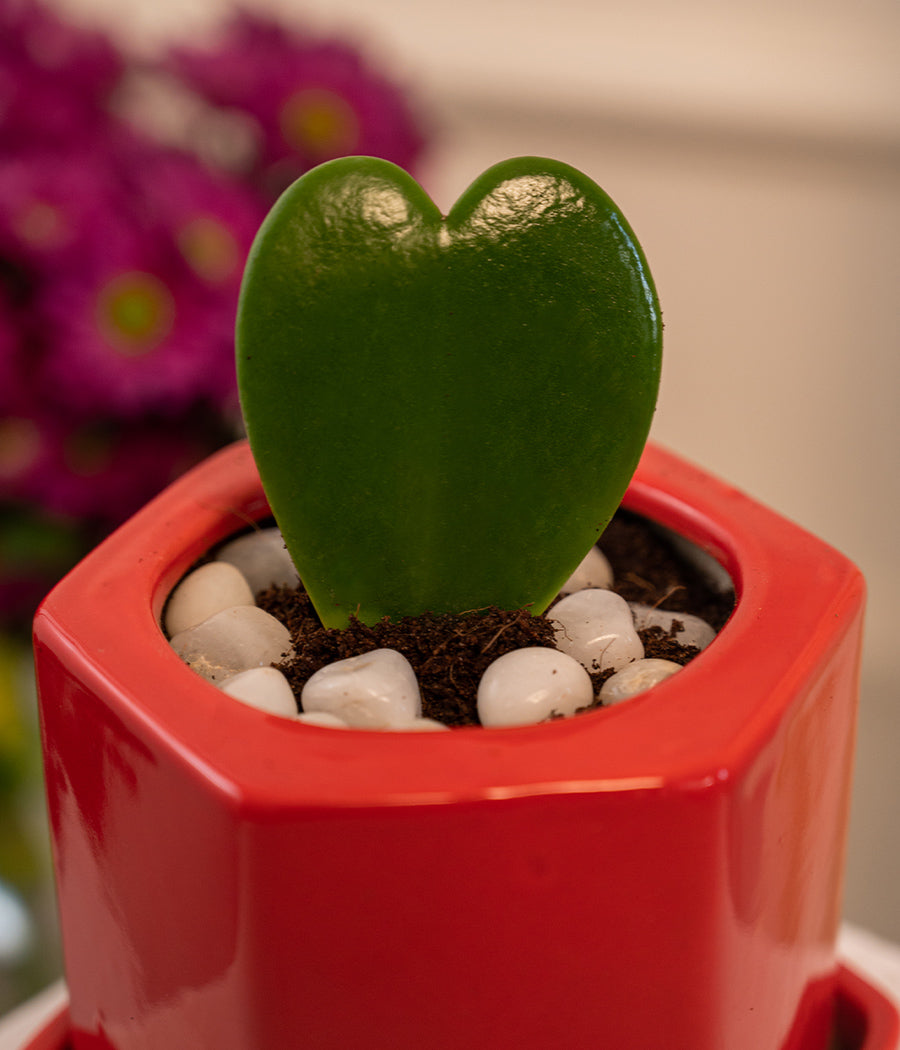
x,y
755,148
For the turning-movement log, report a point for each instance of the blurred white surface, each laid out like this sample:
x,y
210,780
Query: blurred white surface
x,y
873,958
26,1020
755,148
15,927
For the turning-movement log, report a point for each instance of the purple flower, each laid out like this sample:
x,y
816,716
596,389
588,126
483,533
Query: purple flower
x,y
132,334
54,77
121,260
211,218
26,450
64,485
109,472
100,472
57,205
311,100
14,370
133,258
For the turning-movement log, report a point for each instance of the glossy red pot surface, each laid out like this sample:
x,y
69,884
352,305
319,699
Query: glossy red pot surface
x,y
664,873
864,1019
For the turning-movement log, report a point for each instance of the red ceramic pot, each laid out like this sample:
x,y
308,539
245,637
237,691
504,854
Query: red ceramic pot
x,y
865,1019
664,873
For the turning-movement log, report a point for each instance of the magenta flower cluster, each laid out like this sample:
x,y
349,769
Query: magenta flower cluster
x,y
121,256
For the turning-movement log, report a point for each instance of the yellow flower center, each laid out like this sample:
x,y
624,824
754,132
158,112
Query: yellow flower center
x,y
135,312
209,248
319,122
40,225
20,444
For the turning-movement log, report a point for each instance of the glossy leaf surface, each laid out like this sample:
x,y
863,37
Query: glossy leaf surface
x,y
445,413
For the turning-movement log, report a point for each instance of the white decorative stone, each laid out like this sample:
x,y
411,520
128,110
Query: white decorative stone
x,y
262,558
204,592
596,628
691,630
322,718
262,687
635,678
530,685
593,571
377,690
233,640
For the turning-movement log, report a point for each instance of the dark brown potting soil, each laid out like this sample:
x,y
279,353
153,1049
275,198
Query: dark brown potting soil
x,y
449,653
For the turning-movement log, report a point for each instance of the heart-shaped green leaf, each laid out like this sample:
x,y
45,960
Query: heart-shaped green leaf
x,y
445,413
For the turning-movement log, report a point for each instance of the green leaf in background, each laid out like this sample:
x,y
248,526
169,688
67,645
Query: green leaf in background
x,y
445,413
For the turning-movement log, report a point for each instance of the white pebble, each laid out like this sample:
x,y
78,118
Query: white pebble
x,y
262,687
597,629
204,592
594,571
529,685
691,630
322,718
377,690
233,640
262,558
635,678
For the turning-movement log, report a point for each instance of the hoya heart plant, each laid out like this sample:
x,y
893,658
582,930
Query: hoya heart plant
x,y
445,412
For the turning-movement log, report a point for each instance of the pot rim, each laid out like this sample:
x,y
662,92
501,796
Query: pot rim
x,y
796,596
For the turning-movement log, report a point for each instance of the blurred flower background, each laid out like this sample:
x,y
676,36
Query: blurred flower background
x,y
130,191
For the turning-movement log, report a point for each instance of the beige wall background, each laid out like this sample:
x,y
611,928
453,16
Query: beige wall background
x,y
755,148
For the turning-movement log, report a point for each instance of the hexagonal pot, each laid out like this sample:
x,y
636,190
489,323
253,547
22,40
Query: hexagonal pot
x,y
664,873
